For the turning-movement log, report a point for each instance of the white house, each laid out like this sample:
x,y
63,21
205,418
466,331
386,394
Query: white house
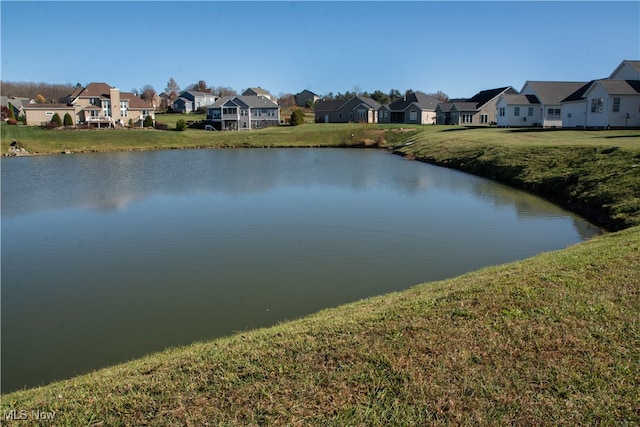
x,y
538,104
606,103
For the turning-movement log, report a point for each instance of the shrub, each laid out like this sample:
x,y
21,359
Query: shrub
x,y
181,125
161,126
130,123
68,121
12,121
56,120
297,117
148,122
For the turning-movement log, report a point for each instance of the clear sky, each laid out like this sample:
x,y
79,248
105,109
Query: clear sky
x,y
456,47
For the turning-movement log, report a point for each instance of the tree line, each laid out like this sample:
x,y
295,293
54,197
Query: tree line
x,y
54,93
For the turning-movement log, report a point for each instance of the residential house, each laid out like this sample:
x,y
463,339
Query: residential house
x,y
306,98
613,102
443,113
243,113
360,109
478,110
17,103
97,104
417,108
190,101
258,91
539,103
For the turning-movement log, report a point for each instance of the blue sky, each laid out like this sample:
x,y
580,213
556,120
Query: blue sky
x,y
457,47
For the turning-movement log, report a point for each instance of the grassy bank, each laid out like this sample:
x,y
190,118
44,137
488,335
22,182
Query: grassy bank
x,y
551,340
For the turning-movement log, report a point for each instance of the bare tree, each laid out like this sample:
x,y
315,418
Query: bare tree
x,y
54,92
223,91
440,96
147,93
201,86
286,100
172,87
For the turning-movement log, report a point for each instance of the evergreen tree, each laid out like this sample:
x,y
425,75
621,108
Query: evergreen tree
x,y
56,120
67,120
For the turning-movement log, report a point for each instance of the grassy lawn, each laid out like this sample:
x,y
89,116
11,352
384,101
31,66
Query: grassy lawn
x,y
550,340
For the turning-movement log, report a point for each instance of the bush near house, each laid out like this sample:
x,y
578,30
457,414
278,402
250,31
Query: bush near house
x,y
68,121
148,122
56,120
181,125
297,117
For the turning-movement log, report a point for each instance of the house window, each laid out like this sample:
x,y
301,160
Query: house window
x,y
597,105
501,112
362,114
530,112
230,110
106,108
616,105
484,118
516,111
467,118
553,113
413,115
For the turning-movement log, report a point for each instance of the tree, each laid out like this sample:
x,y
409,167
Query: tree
x,y
394,95
201,86
440,96
148,122
147,93
297,117
172,88
380,97
56,120
68,121
40,99
223,91
12,113
181,125
286,100
5,113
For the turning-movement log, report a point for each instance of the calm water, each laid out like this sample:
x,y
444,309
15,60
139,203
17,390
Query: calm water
x,y
106,257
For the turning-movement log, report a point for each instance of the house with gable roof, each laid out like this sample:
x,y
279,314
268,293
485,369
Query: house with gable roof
x,y
539,103
243,112
305,98
613,102
415,107
361,109
258,91
97,104
190,100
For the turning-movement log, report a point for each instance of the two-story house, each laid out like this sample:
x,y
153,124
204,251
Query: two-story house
x,y
190,101
243,113
97,104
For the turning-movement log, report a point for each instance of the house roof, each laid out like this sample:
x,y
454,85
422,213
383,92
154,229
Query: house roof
x,y
48,107
518,99
329,105
633,64
578,95
424,102
92,90
257,90
444,107
552,92
246,101
487,95
369,102
135,103
464,106
621,87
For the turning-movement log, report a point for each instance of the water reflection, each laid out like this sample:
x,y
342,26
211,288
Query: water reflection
x,y
129,253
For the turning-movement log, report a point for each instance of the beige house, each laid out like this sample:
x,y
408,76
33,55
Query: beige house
x,y
98,105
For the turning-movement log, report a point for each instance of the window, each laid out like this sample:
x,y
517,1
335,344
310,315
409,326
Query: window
x,y
530,112
229,110
597,105
616,105
516,111
501,111
413,115
362,114
124,106
106,108
484,118
553,113
467,118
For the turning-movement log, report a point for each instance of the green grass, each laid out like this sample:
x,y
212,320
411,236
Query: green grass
x,y
550,340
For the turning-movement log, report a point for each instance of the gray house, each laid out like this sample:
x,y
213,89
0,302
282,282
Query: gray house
x,y
189,101
415,108
360,109
243,113
305,98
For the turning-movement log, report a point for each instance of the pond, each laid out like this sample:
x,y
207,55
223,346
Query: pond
x,y
107,257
